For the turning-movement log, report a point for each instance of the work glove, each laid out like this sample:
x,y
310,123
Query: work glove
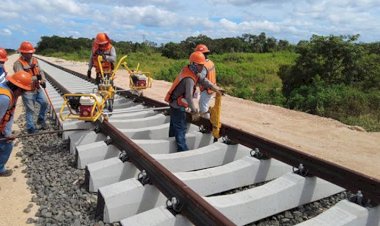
x,y
221,91
43,84
89,73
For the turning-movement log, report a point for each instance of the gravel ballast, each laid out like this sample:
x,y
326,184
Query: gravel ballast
x,y
58,187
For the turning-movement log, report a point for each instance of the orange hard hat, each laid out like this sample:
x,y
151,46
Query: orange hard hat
x,y
202,48
197,57
21,79
3,55
26,47
101,39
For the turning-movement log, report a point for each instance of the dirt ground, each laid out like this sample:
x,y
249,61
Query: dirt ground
x,y
325,138
15,196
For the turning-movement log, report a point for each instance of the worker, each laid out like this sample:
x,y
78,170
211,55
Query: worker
x,y
3,59
102,47
10,90
209,70
180,97
26,62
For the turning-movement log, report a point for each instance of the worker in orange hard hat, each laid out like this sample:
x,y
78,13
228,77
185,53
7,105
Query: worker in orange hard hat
x,y
180,97
3,59
10,90
26,62
210,72
102,47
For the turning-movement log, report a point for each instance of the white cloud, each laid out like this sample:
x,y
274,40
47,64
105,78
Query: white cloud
x,y
169,20
58,6
150,16
6,32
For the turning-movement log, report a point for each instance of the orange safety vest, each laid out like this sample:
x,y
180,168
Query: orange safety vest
x,y
11,108
107,66
32,69
211,75
185,73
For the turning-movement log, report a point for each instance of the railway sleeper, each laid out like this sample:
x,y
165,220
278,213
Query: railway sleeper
x,y
119,203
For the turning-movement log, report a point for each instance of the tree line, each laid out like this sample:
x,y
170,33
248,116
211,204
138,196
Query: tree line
x,y
247,43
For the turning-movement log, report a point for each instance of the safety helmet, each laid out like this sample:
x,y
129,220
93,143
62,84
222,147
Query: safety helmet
x,y
197,57
21,79
26,47
101,39
202,48
3,55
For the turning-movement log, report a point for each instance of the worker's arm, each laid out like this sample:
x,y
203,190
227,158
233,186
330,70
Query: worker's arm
x,y
90,62
42,73
112,57
4,103
208,85
189,87
17,66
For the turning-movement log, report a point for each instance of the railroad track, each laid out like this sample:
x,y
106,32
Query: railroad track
x,y
141,179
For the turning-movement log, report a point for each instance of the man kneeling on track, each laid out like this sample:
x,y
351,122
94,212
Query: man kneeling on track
x,y
10,90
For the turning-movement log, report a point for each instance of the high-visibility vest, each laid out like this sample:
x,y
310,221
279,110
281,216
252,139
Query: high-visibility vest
x,y
185,73
32,69
11,108
211,75
107,66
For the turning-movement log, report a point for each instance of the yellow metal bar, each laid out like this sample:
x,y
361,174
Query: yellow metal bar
x,y
100,59
118,65
215,113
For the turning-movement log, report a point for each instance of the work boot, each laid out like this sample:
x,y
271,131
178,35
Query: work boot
x,y
6,173
32,130
42,123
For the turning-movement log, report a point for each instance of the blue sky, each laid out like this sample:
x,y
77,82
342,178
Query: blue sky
x,y
162,21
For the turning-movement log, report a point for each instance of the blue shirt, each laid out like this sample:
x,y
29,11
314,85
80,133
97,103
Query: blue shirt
x,y
4,104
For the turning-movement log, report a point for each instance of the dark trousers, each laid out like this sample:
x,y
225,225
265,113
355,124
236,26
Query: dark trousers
x,y
178,127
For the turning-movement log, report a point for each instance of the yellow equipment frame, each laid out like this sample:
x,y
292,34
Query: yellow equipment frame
x,y
96,110
136,71
105,89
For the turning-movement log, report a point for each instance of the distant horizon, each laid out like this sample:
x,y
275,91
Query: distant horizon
x,y
163,21
35,45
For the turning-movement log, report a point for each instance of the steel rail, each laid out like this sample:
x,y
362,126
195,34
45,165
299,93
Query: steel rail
x,y
332,172
192,205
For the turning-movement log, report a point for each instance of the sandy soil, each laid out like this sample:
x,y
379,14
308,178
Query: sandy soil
x,y
15,196
322,137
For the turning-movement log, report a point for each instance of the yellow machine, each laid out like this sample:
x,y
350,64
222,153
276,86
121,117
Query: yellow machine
x,y
90,107
138,80
87,107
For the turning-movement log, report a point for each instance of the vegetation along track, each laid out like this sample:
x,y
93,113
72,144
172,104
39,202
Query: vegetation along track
x,y
141,180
